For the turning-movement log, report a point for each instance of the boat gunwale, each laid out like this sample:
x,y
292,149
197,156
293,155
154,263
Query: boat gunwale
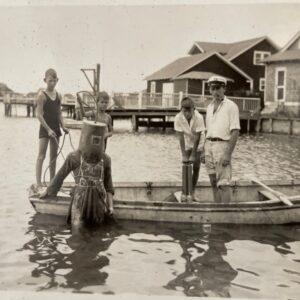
x,y
266,205
210,209
167,184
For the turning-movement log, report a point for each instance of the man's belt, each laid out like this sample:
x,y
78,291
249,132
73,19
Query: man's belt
x,y
215,139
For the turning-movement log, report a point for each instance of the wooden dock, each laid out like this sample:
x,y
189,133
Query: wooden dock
x,y
147,109
30,104
161,118
158,110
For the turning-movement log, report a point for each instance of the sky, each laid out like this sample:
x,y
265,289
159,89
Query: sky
x,y
129,41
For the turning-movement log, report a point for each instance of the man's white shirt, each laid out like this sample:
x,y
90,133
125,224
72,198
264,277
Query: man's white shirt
x,y
189,130
220,123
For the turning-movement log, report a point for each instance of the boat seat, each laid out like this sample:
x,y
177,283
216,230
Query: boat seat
x,y
264,195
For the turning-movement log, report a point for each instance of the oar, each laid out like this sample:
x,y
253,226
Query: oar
x,y
294,197
282,197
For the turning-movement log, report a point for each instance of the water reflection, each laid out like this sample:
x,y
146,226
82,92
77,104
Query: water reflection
x,y
203,266
206,272
76,258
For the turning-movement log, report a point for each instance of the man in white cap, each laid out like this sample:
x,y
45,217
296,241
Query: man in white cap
x,y
223,126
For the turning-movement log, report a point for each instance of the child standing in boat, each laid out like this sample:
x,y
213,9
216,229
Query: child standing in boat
x,y
50,117
189,125
101,115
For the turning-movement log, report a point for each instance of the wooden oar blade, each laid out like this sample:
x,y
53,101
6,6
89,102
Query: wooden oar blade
x,y
285,200
282,197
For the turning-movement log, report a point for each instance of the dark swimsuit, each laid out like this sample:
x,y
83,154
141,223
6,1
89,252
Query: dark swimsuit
x,y
51,116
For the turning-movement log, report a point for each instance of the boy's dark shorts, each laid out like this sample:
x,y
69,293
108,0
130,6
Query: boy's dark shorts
x,y
44,134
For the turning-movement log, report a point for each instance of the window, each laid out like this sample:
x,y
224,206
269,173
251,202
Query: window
x,y
205,88
262,83
96,140
152,87
280,83
260,55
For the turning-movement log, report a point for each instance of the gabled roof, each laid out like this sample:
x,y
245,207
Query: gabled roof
x,y
222,48
183,64
291,42
178,66
4,88
199,75
230,50
290,55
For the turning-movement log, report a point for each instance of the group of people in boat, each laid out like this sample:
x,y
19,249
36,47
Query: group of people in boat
x,y
211,143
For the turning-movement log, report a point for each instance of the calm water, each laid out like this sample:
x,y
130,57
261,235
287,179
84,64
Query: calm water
x,y
37,253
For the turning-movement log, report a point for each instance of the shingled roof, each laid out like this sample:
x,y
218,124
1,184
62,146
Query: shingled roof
x,y
290,55
291,42
199,75
178,66
183,64
230,50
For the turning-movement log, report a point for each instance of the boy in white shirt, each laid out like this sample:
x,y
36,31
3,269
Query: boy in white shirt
x,y
189,125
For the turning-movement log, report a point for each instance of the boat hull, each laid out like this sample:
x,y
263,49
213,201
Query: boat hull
x,y
155,202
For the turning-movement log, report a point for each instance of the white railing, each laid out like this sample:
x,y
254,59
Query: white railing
x,y
171,101
127,100
243,103
155,101
201,101
159,100
247,104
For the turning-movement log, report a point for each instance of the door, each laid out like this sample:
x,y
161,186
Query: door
x,y
167,94
280,84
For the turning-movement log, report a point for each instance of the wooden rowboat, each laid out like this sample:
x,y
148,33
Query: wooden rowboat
x,y
155,201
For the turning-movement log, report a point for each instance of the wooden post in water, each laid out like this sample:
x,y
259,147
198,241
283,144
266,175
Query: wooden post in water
x,y
291,127
7,105
28,110
33,110
248,125
271,125
134,122
148,122
164,123
258,125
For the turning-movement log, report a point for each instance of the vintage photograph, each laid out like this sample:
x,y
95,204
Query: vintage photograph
x,y
149,149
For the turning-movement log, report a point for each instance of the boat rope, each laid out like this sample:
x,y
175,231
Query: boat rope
x,y
70,138
59,152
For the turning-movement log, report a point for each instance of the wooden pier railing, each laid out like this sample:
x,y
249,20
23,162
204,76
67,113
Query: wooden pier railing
x,y
30,102
169,101
141,101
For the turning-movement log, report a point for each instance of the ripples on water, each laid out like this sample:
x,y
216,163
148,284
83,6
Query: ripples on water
x,y
37,252
162,259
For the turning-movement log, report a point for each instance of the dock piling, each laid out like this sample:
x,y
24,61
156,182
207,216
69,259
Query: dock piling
x,y
291,127
248,125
